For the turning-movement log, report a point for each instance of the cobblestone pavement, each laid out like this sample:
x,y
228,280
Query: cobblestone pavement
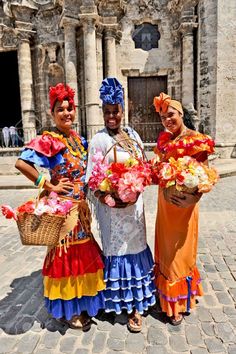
x,y
25,326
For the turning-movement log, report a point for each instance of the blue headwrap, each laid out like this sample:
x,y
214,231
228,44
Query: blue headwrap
x,y
111,92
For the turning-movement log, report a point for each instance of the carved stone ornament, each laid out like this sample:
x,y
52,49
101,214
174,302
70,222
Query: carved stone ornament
x,y
32,3
9,39
143,9
178,5
42,2
148,7
47,25
111,7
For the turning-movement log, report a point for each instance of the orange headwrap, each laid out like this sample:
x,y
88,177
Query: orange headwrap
x,y
163,101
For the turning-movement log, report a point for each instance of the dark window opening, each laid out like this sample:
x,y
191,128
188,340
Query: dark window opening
x,y
146,36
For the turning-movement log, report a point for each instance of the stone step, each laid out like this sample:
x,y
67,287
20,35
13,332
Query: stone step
x,y
7,165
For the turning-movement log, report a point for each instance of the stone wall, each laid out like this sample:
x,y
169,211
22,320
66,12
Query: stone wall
x,y
226,78
207,70
81,41
164,60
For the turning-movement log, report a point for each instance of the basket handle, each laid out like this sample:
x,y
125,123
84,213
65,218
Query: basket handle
x,y
127,139
40,194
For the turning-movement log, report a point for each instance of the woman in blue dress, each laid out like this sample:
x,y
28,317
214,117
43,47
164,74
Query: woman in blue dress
x,y
128,260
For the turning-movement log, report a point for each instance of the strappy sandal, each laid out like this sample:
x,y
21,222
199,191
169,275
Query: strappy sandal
x,y
134,322
82,322
176,322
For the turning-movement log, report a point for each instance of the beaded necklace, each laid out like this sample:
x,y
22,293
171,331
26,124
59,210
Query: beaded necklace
x,y
124,141
76,147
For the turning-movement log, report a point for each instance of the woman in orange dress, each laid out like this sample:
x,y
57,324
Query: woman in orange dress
x,y
177,277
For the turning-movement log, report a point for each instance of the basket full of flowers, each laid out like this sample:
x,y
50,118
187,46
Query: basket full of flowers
x,y
40,220
119,181
185,174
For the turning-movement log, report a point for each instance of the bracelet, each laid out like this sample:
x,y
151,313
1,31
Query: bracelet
x,y
42,181
40,176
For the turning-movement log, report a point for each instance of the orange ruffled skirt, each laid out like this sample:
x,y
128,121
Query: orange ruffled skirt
x,y
177,277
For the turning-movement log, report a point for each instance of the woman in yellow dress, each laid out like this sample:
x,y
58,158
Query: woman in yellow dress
x,y
177,277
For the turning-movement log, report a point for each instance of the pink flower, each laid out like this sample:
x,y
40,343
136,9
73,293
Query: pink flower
x,y
110,201
8,212
99,173
129,186
53,195
98,156
64,207
133,181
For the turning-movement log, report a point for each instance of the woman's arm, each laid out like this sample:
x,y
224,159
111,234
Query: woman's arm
x,y
28,169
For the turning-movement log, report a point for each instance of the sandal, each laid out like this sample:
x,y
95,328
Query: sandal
x,y
134,321
176,322
79,322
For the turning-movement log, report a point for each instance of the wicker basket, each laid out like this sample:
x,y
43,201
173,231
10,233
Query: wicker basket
x,y
43,230
179,192
144,157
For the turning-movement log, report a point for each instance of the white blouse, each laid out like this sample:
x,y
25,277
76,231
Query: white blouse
x,y
122,230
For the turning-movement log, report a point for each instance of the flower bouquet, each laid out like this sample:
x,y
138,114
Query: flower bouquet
x,y
121,181
39,220
186,174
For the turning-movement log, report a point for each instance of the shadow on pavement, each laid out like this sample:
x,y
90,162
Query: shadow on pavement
x,y
156,313
23,308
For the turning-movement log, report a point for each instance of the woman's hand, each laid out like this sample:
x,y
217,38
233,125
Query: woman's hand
x,y
184,201
119,204
62,186
101,196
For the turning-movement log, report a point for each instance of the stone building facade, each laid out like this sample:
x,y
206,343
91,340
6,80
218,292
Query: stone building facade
x,y
186,48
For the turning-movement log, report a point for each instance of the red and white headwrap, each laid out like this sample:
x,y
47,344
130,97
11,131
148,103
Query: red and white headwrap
x,y
61,92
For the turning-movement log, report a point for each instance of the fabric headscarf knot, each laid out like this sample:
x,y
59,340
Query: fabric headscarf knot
x,y
111,92
163,101
60,92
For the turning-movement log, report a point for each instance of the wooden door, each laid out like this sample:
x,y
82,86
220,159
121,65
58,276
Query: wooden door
x,y
142,115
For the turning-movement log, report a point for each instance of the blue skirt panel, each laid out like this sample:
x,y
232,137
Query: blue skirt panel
x,y
129,282
68,308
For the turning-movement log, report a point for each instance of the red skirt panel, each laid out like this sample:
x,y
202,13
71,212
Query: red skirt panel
x,y
77,259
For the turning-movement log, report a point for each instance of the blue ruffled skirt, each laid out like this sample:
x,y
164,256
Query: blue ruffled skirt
x,y
129,282
68,308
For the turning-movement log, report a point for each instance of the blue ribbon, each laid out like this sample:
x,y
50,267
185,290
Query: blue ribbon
x,y
189,279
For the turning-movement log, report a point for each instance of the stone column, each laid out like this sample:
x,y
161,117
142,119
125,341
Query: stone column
x,y
186,30
99,36
90,70
26,86
110,50
69,25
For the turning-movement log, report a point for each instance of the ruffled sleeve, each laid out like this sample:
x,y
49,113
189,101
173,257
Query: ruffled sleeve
x,y
44,151
40,160
46,144
191,144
